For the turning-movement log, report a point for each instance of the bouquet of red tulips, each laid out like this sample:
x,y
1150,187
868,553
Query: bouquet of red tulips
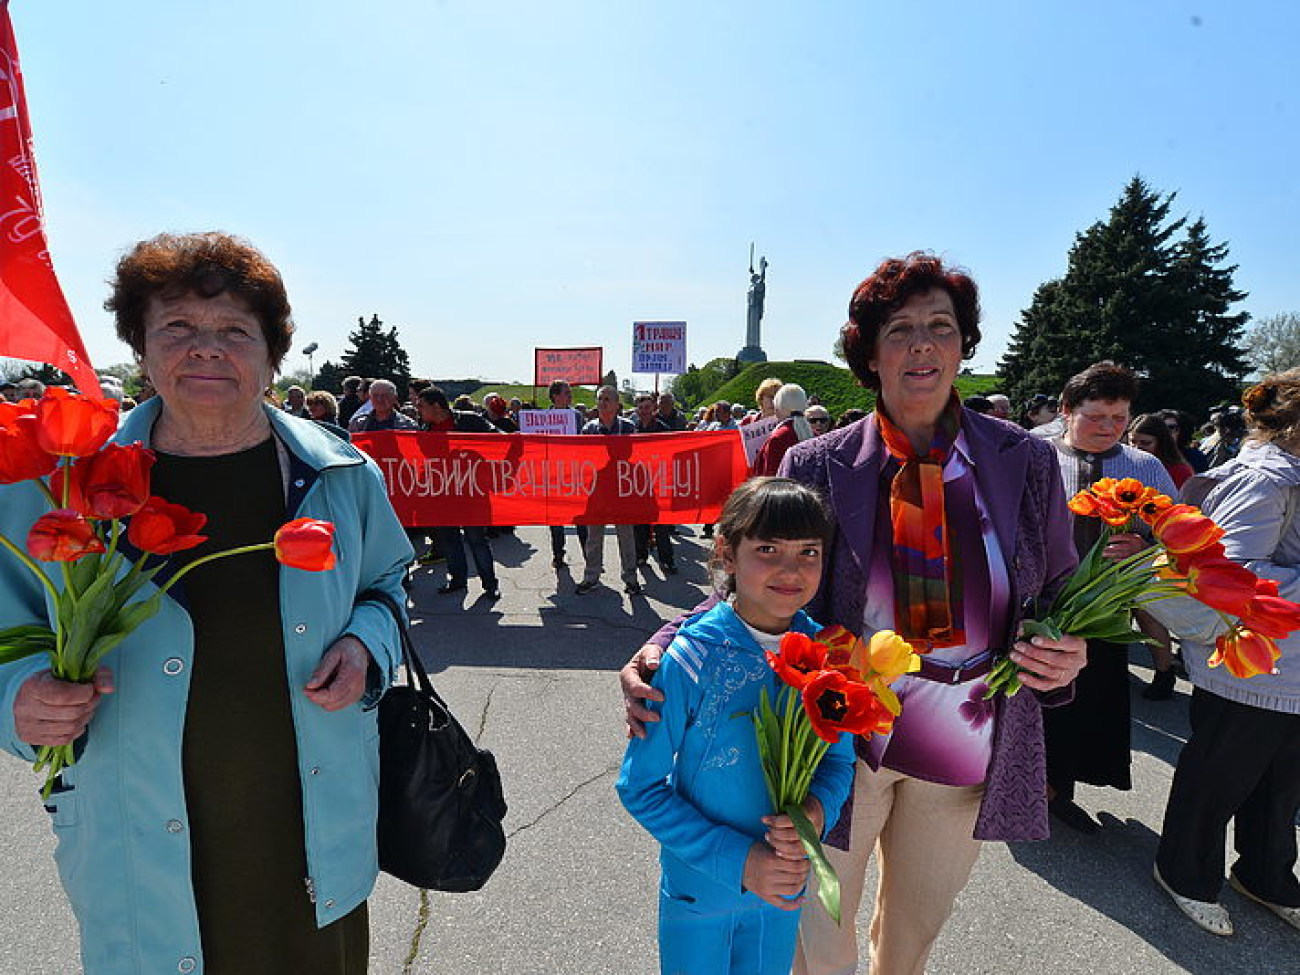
x,y
833,684
98,494
1187,560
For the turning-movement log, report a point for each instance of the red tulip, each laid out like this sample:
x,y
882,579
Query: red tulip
x,y
306,543
62,535
840,644
1182,529
111,483
161,528
1270,615
72,425
797,658
1245,653
21,456
835,704
1221,584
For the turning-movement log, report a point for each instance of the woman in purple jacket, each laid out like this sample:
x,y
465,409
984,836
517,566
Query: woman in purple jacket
x,y
948,523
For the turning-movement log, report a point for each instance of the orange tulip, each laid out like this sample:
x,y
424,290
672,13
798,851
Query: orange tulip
x,y
306,543
841,644
62,535
1127,494
21,456
1182,529
111,483
1150,510
71,425
1221,584
1270,615
1245,653
1089,505
161,528
797,658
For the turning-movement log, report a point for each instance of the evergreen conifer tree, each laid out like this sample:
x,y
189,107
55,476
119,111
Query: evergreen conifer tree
x,y
1136,293
375,353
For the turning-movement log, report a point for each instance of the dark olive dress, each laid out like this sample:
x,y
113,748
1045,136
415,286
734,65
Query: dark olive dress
x,y
242,789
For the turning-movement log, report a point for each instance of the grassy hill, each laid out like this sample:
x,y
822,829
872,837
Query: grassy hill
x,y
835,385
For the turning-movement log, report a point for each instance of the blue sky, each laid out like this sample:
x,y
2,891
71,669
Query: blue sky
x,y
492,176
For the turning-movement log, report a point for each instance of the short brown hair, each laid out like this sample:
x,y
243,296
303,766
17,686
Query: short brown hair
x,y
206,265
1102,380
888,289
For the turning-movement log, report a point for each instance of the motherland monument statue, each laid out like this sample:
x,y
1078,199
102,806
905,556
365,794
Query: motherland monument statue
x,y
753,350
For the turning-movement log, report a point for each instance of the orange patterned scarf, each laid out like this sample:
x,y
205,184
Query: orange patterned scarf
x,y
927,593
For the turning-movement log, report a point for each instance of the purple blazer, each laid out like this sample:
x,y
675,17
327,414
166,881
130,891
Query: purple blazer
x,y
1020,484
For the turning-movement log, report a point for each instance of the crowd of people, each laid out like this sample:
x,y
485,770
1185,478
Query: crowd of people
x,y
940,519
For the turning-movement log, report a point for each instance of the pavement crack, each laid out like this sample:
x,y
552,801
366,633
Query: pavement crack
x,y
421,923
563,799
483,715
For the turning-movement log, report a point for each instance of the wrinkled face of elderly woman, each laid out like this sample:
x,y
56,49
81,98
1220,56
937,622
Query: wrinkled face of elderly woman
x,y
918,354
206,354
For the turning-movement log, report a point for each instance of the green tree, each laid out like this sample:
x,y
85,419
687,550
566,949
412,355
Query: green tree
x,y
696,385
1273,345
1147,291
373,353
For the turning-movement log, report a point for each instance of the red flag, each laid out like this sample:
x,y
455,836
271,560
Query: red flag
x,y
35,322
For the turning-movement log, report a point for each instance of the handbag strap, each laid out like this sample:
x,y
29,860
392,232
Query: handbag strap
x,y
414,668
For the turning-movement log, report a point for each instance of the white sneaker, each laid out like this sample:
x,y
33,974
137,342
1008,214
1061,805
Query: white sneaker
x,y
1291,915
1209,916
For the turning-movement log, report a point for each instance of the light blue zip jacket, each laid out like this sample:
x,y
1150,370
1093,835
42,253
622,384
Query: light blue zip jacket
x,y
695,781
123,835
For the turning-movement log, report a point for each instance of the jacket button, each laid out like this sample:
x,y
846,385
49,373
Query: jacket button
x,y
175,826
300,628
186,964
173,666
299,483
329,903
315,770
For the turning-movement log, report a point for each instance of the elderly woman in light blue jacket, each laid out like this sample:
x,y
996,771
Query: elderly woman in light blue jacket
x,y
221,816
1242,761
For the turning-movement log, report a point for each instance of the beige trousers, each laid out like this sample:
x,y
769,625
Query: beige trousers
x,y
925,853
594,553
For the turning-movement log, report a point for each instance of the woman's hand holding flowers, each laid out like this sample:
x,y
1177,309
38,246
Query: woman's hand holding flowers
x,y
1050,664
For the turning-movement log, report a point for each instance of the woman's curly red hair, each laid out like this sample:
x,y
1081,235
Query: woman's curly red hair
x,y
887,289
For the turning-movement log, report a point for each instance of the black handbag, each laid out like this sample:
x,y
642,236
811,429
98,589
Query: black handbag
x,y
440,799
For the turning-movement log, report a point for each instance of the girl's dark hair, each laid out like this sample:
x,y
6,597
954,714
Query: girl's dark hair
x,y
1152,425
770,508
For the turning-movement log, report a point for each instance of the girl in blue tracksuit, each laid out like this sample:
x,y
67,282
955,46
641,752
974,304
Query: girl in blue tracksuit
x,y
733,872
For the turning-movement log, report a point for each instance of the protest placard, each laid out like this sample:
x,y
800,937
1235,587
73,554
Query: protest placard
x,y
753,435
548,421
659,347
581,367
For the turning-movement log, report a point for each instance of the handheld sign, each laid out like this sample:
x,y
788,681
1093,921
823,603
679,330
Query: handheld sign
x,y
659,347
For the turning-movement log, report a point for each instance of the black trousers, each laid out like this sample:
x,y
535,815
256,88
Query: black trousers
x,y
557,539
1242,763
663,535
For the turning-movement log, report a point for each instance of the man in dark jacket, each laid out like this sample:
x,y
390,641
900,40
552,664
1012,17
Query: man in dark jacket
x,y
439,417
649,420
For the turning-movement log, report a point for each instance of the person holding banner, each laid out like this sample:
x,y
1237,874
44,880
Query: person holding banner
x,y
648,421
561,396
608,423
439,417
221,816
919,485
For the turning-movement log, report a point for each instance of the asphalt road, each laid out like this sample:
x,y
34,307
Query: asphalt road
x,y
534,677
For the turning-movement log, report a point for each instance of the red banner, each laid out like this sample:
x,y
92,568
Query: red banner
x,y
35,322
579,367
528,479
